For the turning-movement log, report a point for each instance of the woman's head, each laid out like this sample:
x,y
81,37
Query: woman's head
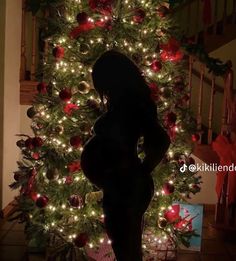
x,y
116,77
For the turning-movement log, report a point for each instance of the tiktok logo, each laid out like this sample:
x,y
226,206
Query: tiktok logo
x,y
183,168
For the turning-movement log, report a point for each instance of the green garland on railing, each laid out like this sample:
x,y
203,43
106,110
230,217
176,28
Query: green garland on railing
x,y
214,65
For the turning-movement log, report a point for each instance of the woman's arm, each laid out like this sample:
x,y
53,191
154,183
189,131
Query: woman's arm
x,y
156,144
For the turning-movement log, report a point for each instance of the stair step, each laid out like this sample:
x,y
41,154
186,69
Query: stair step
x,y
206,154
224,35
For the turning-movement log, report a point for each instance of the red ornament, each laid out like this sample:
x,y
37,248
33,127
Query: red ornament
x,y
65,95
139,15
42,201
82,18
171,51
163,11
69,108
28,144
195,137
37,142
35,155
165,56
168,188
81,240
156,66
69,180
74,166
75,141
58,52
76,201
173,215
42,88
33,196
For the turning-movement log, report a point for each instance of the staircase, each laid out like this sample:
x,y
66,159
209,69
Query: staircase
x,y
211,23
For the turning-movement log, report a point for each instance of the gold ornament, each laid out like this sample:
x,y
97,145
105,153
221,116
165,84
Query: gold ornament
x,y
84,87
148,60
84,48
162,222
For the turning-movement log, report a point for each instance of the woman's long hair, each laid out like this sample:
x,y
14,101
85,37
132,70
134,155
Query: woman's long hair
x,y
118,79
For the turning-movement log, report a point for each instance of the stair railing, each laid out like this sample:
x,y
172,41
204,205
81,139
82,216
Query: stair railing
x,y
29,53
198,18
203,83
225,211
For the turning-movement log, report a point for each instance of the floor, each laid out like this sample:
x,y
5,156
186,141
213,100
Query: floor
x,y
215,246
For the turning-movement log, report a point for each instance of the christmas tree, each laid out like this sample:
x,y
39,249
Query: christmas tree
x,y
56,200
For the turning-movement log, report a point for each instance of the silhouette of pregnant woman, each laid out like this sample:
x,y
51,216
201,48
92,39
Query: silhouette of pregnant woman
x,y
110,160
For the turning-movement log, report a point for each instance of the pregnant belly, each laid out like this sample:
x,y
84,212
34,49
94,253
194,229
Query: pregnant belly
x,y
102,158
98,159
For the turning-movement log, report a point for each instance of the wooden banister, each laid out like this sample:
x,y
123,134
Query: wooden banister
x,y
23,56
206,89
200,102
33,58
211,110
190,79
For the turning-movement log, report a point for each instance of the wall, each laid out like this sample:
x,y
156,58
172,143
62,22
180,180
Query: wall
x,y
225,53
10,104
207,194
2,47
25,121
